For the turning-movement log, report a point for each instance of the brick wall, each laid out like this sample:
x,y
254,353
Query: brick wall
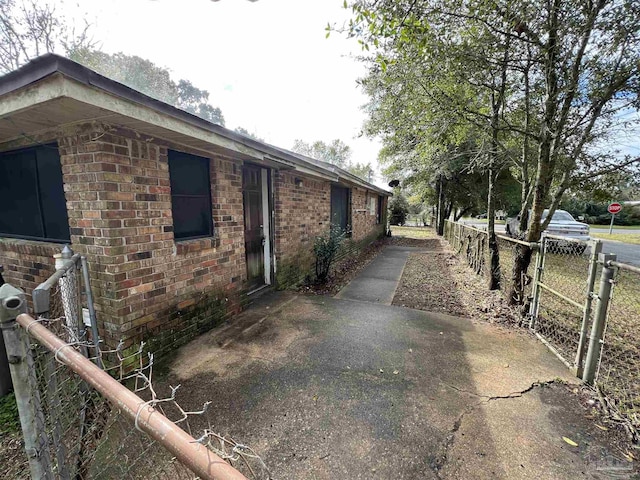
x,y
363,222
301,214
27,264
147,285
119,206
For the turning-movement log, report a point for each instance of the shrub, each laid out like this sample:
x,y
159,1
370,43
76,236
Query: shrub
x,y
325,248
398,210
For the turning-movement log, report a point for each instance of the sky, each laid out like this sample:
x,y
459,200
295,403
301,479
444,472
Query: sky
x,y
266,64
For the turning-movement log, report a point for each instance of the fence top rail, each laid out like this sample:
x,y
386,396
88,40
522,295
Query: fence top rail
x,y
531,245
560,237
59,273
470,227
624,266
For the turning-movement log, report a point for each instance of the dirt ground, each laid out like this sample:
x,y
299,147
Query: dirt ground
x,y
439,282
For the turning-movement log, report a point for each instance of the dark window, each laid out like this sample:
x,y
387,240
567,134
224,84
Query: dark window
x,y
32,202
380,204
190,196
341,208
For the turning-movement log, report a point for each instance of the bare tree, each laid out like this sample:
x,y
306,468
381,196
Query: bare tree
x,y
29,28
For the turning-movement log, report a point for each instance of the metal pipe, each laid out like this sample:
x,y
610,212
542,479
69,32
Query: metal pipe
x,y
624,266
596,248
198,458
600,317
21,363
92,310
564,297
534,308
41,294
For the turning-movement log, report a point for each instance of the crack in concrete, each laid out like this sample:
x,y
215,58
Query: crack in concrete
x,y
488,398
441,459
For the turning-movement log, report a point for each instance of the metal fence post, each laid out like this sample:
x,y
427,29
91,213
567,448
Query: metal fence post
x,y
600,317
596,249
12,304
92,311
537,278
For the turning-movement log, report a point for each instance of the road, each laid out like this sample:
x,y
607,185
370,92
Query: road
x,y
626,252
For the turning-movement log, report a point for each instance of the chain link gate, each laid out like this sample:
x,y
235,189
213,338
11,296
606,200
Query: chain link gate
x,y
561,309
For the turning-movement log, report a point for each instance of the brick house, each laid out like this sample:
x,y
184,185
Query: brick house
x,y
179,218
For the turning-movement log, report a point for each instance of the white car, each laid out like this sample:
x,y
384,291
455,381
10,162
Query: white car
x,y
562,224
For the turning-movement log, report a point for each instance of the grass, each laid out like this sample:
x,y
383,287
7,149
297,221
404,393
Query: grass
x,y
413,232
9,421
633,238
618,227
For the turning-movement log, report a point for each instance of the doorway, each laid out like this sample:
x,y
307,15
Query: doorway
x,y
257,231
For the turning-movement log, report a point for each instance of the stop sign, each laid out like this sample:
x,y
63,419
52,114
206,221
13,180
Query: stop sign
x,y
614,208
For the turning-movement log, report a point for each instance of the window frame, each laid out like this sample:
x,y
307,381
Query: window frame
x,y
379,211
173,155
38,181
348,207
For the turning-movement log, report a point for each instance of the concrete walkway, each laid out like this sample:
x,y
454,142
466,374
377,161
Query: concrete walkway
x,y
342,388
377,282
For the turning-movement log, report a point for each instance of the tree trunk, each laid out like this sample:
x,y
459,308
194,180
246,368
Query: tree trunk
x,y
494,255
546,157
441,206
459,214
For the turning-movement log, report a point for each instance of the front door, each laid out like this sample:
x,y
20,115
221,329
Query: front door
x,y
255,228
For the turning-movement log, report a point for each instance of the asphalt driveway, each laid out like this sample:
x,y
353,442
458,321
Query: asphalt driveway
x,y
330,388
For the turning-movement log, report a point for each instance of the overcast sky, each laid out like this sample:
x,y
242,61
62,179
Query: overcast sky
x,y
266,64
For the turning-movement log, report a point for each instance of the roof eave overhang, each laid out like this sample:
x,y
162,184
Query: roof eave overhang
x,y
49,78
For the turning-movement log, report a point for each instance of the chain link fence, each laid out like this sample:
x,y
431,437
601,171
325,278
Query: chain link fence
x,y
567,289
618,375
567,270
92,413
469,243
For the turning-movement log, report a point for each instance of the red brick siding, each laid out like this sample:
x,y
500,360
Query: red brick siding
x,y
301,214
26,263
363,223
119,204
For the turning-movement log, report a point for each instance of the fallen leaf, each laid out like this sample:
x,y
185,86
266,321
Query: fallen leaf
x,y
629,456
395,372
570,442
601,427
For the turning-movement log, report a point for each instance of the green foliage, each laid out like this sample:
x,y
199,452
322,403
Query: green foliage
x,y
326,248
29,28
336,152
246,133
147,77
9,420
398,209
362,170
597,213
539,89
